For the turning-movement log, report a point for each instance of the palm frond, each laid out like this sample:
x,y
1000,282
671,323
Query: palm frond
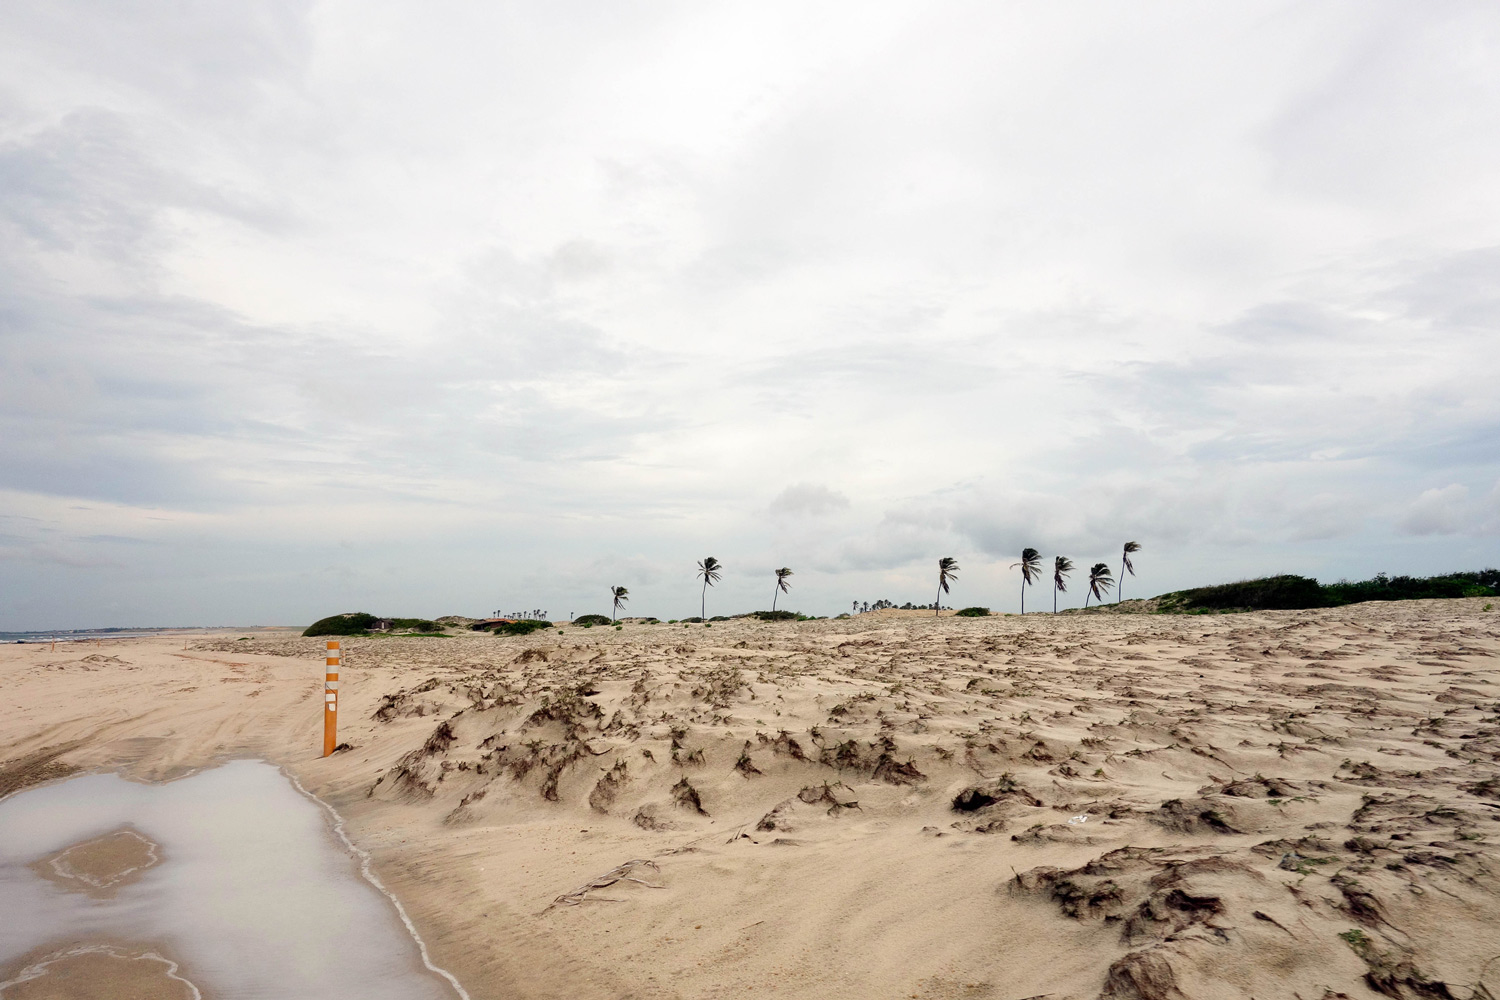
x,y
1129,548
947,571
1061,567
1031,562
708,570
781,575
1100,580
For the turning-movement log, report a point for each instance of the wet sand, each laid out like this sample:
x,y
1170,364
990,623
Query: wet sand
x,y
97,972
102,865
232,871
1281,804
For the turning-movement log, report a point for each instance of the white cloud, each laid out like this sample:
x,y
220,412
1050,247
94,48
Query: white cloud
x,y
536,296
808,500
1445,511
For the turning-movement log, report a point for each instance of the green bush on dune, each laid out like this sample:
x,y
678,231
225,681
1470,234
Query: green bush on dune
x,y
1289,592
525,626
972,613
353,623
415,624
359,623
1405,588
592,620
1271,593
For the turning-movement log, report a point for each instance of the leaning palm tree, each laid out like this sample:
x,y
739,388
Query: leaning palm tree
x,y
1099,582
708,572
781,585
621,595
1031,569
947,572
1126,565
1061,567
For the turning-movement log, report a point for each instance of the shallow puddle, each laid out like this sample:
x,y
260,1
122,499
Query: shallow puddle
x,y
224,885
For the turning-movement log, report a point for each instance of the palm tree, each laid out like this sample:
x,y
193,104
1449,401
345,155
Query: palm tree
x,y
708,572
1099,582
781,585
1031,569
947,570
621,595
1126,565
1061,567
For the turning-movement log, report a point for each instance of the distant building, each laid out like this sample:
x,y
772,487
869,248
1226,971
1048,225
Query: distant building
x,y
382,625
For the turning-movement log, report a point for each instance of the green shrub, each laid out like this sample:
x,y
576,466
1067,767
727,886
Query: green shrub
x,y
774,616
353,623
1407,588
1267,593
416,624
695,621
973,613
591,620
1288,592
525,626
719,618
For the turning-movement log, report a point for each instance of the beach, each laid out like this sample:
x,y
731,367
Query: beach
x,y
1271,804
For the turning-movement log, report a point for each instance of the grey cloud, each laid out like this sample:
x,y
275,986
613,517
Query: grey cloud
x,y
378,275
205,59
1289,322
1449,510
1456,292
1444,511
808,500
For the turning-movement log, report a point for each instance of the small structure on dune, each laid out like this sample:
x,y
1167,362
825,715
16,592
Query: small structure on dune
x,y
382,625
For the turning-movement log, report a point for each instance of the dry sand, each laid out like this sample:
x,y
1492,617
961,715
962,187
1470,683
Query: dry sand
x,y
1273,805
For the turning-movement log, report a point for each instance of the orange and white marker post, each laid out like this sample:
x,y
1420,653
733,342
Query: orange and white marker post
x,y
331,697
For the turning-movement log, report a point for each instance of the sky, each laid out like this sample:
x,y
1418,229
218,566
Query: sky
x,y
450,308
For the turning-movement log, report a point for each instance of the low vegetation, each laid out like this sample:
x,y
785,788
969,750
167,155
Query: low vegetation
x,y
360,623
1290,592
973,613
354,623
525,626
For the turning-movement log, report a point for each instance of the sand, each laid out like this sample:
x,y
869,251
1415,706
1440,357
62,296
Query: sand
x,y
101,865
1279,804
95,971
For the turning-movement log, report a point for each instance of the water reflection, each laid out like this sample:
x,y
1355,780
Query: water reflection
x,y
243,883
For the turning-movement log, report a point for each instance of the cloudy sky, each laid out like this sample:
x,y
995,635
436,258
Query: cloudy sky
x,y
449,308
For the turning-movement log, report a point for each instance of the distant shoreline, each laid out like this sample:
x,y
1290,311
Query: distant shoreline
x,y
126,632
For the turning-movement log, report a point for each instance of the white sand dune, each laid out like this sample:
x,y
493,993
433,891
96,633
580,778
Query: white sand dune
x,y
1272,805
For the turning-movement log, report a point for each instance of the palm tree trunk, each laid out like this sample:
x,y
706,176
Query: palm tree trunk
x,y
703,599
775,591
1054,598
1023,593
1118,589
939,601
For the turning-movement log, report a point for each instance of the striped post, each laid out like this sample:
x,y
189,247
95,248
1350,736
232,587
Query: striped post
x,y
331,697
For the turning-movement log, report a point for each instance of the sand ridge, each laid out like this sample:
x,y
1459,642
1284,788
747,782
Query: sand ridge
x,y
1276,804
